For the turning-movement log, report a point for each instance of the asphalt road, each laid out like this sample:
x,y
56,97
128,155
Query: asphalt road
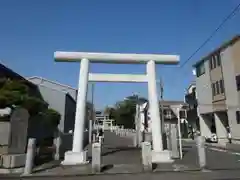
x,y
216,158
118,151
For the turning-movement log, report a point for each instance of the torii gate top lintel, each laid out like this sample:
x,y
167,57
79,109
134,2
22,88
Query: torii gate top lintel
x,y
115,57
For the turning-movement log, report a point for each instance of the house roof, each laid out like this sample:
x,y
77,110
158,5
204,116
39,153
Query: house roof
x,y
53,82
169,103
8,73
219,49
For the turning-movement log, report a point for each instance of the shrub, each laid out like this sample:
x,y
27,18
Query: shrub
x,y
18,86
3,101
52,117
34,105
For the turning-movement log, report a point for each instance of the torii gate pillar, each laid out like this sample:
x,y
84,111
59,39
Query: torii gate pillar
x,y
78,155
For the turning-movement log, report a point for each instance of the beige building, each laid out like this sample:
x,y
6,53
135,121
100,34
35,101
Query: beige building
x,y
218,90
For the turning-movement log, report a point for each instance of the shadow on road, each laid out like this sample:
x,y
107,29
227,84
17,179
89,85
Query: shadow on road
x,y
47,166
118,149
106,167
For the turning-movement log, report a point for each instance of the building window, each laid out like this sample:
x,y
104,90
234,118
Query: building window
x,y
217,88
238,82
200,69
218,57
182,114
238,117
221,86
210,64
213,89
215,61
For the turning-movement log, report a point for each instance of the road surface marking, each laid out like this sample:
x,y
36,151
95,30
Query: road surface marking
x,y
236,153
222,150
216,149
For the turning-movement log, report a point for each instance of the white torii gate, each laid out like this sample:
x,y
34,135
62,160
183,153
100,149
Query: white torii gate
x,y
78,155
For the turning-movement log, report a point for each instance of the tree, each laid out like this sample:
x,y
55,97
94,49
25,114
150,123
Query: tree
x,y
124,112
51,117
16,93
110,112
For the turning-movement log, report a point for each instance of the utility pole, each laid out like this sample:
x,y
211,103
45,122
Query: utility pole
x,y
137,121
91,121
161,105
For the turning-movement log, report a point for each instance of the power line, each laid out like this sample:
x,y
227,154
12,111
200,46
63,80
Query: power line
x,y
231,15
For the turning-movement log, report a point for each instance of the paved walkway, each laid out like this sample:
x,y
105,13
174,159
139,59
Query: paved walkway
x,y
118,150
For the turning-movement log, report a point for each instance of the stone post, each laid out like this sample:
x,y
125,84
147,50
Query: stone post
x,y
147,156
96,157
57,142
31,149
168,134
201,152
174,142
94,138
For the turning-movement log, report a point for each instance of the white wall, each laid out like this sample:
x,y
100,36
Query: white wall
x,y
204,91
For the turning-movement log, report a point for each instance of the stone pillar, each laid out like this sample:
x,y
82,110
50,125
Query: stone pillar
x,y
111,124
57,143
179,133
31,149
174,142
201,152
96,157
77,155
158,155
168,134
146,156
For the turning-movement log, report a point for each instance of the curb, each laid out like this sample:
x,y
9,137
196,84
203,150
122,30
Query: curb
x,y
196,170
101,174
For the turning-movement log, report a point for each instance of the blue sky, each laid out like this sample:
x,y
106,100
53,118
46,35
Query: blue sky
x,y
30,32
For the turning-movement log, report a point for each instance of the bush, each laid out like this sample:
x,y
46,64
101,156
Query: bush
x,y
17,93
34,105
3,80
18,86
3,101
11,97
52,117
